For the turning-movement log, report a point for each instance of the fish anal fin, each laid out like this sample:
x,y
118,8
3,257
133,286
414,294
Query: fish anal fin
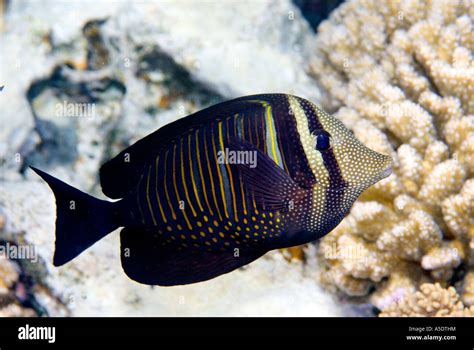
x,y
146,260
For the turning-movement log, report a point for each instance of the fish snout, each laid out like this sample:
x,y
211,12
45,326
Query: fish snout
x,y
386,173
387,168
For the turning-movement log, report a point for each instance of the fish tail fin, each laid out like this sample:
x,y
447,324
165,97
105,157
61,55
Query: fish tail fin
x,y
81,220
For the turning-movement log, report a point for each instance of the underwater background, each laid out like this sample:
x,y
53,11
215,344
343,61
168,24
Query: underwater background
x,y
82,80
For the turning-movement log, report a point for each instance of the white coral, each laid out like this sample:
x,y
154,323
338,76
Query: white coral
x,y
402,75
430,301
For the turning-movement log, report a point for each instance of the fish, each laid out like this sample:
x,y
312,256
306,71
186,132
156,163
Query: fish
x,y
218,189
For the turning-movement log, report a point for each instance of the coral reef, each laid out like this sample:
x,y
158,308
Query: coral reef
x,y
431,300
400,74
468,288
9,276
19,298
21,295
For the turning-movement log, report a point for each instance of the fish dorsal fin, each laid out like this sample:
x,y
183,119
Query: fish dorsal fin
x,y
120,174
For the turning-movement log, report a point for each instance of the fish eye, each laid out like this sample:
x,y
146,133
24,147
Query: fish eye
x,y
323,140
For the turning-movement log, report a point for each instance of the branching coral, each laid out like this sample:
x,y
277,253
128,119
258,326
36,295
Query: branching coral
x,y
400,74
431,301
468,289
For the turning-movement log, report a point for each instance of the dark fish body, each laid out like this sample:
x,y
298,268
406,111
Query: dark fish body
x,y
216,190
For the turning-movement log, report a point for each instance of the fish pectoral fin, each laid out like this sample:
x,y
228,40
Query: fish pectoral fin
x,y
265,182
147,260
